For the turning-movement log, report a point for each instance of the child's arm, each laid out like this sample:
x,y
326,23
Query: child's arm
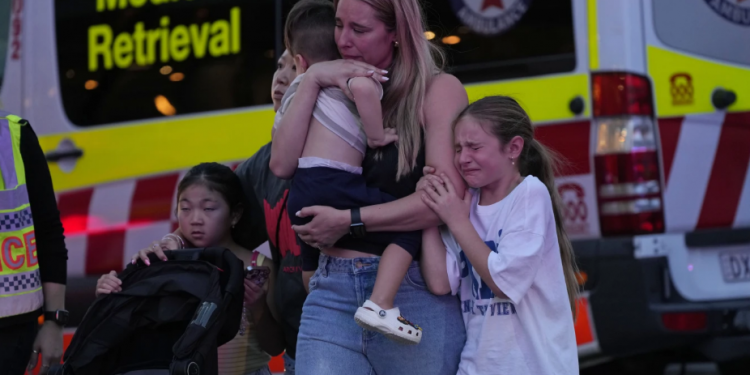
x,y
477,251
434,269
366,95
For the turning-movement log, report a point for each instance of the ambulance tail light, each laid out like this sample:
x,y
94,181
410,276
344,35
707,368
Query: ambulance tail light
x,y
685,321
626,162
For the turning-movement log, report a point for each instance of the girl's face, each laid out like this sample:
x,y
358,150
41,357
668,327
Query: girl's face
x,y
361,36
282,77
480,158
205,217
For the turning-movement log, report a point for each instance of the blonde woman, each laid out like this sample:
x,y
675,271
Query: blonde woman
x,y
383,39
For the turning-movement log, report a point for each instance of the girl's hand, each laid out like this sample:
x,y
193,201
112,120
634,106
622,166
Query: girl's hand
x,y
441,197
422,184
108,284
327,226
254,296
157,247
337,72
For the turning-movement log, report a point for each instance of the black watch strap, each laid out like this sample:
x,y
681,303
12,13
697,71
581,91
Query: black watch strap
x,y
357,227
356,218
58,316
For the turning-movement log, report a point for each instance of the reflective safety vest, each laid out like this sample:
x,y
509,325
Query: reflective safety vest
x,y
20,285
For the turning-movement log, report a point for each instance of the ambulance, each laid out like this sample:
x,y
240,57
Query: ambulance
x,y
648,101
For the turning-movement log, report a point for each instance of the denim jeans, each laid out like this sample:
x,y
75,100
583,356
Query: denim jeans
x,y
288,365
330,342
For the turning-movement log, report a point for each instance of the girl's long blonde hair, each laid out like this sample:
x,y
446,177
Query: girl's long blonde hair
x,y
415,61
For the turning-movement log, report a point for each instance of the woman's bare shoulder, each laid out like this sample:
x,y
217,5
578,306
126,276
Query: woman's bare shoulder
x,y
446,84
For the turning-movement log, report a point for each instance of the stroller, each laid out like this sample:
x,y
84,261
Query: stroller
x,y
169,318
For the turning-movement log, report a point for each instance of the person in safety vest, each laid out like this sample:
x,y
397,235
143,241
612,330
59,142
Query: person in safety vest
x,y
33,257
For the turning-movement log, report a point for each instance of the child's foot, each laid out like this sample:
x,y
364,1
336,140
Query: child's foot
x,y
388,322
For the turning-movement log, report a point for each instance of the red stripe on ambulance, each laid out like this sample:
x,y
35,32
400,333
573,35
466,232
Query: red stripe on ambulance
x,y
728,173
152,199
669,133
104,251
74,210
571,141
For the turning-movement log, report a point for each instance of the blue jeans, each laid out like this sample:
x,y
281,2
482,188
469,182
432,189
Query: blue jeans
x,y
288,365
330,342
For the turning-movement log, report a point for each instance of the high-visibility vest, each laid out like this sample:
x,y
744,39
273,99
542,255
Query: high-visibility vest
x,y
20,285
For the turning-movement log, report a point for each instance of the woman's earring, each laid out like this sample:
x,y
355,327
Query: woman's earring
x,y
395,44
512,162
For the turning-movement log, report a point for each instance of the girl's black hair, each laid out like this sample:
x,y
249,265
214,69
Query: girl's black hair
x,y
222,179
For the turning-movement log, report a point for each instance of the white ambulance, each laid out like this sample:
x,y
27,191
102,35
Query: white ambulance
x,y
648,100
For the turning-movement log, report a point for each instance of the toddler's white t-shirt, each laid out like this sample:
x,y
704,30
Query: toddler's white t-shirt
x,y
531,331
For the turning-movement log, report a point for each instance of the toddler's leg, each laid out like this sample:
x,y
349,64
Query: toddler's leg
x,y
393,266
378,313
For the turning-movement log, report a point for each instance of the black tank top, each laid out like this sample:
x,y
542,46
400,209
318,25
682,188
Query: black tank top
x,y
381,172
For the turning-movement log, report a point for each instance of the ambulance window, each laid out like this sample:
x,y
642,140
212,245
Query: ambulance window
x,y
131,60
5,19
502,39
717,29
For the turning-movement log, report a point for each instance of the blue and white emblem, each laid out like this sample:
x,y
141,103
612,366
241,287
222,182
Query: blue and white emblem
x,y
735,11
490,17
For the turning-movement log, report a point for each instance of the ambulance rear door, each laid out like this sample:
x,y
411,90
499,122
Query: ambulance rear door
x,y
698,57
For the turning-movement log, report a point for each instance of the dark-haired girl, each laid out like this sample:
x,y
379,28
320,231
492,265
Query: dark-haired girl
x,y
210,204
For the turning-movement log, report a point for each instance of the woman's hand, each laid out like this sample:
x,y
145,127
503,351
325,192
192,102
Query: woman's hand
x,y
326,228
48,344
338,72
108,284
157,247
441,197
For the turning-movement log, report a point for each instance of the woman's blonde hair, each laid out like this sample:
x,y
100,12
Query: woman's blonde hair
x,y
415,61
504,118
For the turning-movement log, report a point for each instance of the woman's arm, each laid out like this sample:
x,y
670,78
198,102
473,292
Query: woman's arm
x,y
445,99
434,269
289,139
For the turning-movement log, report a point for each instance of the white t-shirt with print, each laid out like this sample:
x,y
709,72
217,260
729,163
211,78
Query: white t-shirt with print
x,y
532,331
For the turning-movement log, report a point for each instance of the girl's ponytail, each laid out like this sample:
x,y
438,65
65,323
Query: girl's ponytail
x,y
542,163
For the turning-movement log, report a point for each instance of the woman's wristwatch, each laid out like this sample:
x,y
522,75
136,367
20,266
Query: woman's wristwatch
x,y
357,227
58,316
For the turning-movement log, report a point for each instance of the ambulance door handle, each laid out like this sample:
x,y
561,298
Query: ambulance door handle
x,y
722,98
55,156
